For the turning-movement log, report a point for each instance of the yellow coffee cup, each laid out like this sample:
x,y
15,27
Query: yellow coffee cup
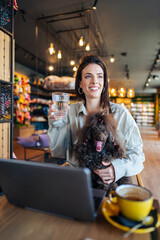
x,y
134,202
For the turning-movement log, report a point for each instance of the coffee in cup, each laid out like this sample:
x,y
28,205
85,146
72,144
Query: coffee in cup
x,y
134,202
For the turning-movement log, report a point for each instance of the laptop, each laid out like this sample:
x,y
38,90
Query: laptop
x,y
51,188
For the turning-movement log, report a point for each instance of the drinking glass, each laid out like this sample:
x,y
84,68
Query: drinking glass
x,y
61,102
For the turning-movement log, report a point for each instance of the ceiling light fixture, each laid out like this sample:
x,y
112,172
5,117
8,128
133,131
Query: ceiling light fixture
x,y
81,42
112,59
155,77
74,68
121,92
72,62
130,93
113,92
59,55
94,5
88,47
50,68
51,49
154,65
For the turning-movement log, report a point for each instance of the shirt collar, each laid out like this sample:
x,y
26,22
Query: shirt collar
x,y
82,109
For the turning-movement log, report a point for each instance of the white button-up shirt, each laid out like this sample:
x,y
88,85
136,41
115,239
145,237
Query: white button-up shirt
x,y
62,134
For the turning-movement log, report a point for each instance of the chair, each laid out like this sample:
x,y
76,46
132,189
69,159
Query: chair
x,y
139,180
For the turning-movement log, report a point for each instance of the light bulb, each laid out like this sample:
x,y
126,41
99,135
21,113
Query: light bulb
x,y
112,59
59,55
51,49
72,62
81,42
50,68
74,68
130,93
88,47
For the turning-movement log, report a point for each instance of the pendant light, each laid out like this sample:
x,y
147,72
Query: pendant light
x,y
59,55
121,92
88,47
72,62
130,93
50,68
81,42
112,59
74,68
113,92
51,49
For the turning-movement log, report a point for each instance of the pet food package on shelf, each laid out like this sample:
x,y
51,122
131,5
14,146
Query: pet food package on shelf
x,y
54,82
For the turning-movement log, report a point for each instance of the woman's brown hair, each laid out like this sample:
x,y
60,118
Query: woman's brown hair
x,y
89,59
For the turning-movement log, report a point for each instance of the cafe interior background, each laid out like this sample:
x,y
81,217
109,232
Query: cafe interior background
x,y
50,37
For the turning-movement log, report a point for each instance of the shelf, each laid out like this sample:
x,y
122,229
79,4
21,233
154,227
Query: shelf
x,y
5,121
39,121
54,90
5,82
41,94
143,113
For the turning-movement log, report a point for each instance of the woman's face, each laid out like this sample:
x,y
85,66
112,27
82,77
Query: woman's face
x,y
92,81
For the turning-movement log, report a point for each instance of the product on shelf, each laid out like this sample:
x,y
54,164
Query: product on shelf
x,y
21,93
143,113
54,82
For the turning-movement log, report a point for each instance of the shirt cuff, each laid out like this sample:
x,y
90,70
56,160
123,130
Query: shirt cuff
x,y
119,168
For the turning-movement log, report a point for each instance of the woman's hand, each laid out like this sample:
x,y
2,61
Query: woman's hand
x,y
54,114
107,174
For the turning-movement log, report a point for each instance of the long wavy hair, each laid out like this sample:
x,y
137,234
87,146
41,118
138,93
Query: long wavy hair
x,y
86,60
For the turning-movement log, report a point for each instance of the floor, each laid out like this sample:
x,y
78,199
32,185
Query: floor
x,y
151,173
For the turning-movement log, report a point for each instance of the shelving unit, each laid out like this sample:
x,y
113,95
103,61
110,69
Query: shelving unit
x,y
39,106
143,113
6,88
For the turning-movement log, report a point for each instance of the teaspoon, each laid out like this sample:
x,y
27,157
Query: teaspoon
x,y
145,222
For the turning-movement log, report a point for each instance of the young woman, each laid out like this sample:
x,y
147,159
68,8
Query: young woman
x,y
92,87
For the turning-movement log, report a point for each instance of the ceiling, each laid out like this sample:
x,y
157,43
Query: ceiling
x,y
129,30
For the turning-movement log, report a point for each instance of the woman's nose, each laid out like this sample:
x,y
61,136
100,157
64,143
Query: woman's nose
x,y
94,79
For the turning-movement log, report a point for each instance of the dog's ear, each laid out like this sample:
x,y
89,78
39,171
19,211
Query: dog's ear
x,y
84,134
88,134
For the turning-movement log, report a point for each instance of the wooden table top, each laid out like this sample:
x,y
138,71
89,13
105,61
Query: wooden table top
x,y
17,223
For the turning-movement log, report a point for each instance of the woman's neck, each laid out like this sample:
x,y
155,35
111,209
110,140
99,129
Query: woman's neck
x,y
93,106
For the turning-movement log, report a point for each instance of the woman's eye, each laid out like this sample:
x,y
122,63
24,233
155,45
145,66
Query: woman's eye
x,y
100,77
87,76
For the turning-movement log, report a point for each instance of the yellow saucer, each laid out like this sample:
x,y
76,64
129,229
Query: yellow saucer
x,y
108,212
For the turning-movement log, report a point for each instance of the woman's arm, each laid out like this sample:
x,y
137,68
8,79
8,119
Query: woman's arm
x,y
58,132
58,138
133,163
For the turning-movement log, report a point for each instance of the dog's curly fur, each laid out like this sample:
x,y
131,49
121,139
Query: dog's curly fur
x,y
101,128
